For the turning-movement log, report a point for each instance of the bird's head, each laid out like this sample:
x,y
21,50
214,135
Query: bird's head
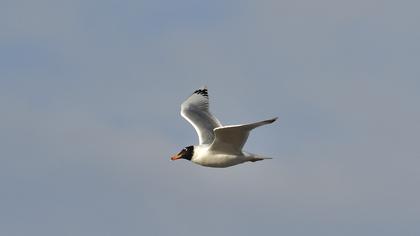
x,y
185,153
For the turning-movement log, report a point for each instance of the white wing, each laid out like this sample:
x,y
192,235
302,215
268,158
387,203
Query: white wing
x,y
196,111
230,139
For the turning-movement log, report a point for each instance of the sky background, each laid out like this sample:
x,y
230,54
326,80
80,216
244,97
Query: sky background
x,y
90,93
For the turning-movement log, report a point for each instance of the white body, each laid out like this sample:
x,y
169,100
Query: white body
x,y
204,156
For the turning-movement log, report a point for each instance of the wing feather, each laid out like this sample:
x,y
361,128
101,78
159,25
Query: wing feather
x,y
232,138
196,111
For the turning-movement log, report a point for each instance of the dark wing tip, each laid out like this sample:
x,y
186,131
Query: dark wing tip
x,y
271,120
202,91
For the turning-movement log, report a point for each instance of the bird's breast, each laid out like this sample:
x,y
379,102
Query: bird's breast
x,y
210,159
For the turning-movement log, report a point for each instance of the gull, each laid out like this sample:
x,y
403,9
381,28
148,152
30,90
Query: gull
x,y
219,146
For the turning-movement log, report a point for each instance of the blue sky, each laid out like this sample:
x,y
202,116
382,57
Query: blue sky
x,y
90,94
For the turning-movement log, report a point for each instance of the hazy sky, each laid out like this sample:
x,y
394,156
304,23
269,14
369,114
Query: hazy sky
x,y
90,94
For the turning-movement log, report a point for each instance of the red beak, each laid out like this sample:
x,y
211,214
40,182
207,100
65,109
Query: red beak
x,y
176,157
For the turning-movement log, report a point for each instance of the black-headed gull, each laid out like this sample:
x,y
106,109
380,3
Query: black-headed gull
x,y
219,146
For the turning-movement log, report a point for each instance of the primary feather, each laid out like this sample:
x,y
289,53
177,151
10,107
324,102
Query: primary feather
x,y
196,111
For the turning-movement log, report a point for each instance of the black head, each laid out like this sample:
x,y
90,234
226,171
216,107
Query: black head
x,y
185,153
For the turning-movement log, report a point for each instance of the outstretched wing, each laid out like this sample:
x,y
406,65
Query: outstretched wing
x,y
196,111
230,139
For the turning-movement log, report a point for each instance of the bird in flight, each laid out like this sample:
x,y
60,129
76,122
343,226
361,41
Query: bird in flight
x,y
219,146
